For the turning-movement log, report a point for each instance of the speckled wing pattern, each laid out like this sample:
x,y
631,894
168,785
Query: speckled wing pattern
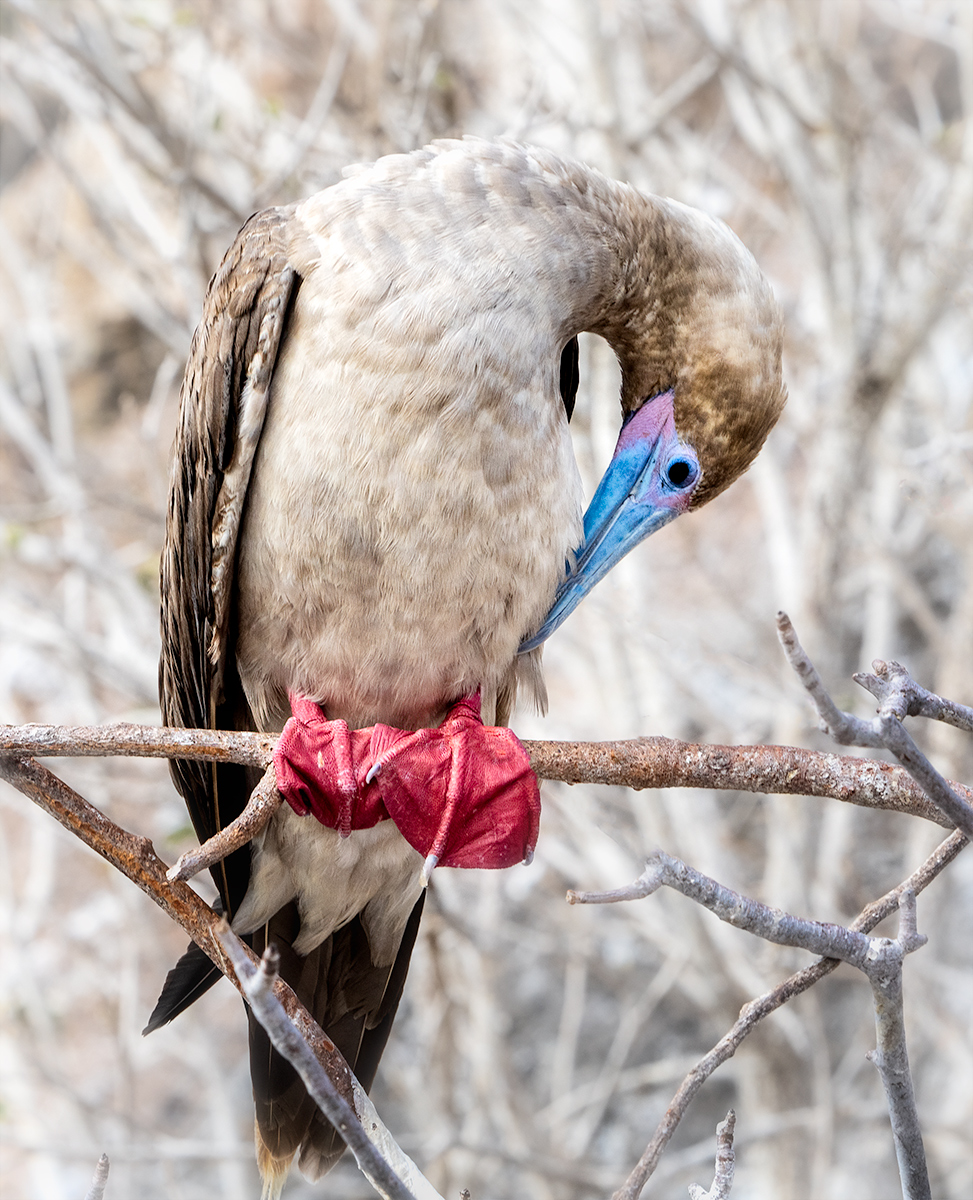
x,y
224,400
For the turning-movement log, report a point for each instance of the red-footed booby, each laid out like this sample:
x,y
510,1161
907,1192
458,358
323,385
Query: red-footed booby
x,y
375,511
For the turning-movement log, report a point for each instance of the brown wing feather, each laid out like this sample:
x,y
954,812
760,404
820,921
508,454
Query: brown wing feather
x,y
223,401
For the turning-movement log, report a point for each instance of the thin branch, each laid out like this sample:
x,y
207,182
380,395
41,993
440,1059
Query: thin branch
x,y
638,763
842,726
752,1013
771,924
264,801
725,1161
891,1056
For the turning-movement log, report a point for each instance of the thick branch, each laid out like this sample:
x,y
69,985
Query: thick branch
x,y
137,741
132,855
639,763
771,770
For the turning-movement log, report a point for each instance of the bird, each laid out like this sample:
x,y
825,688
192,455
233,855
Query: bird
x,y
374,507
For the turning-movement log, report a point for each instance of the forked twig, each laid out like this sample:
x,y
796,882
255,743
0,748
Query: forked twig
x,y
880,959
900,695
756,1010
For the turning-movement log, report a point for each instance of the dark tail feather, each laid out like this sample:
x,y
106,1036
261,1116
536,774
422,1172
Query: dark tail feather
x,y
192,975
355,1003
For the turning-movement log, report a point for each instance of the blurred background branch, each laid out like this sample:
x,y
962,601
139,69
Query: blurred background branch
x,y
835,138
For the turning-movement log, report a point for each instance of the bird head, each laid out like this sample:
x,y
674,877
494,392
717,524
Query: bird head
x,y
698,336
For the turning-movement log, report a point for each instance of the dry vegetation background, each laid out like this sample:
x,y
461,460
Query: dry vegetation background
x,y
538,1044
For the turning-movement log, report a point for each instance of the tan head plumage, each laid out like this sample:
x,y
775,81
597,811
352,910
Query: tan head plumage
x,y
700,318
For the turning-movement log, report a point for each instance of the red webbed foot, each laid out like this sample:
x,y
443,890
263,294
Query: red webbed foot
x,y
463,795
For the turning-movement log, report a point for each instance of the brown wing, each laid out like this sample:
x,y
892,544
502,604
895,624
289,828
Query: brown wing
x,y
223,403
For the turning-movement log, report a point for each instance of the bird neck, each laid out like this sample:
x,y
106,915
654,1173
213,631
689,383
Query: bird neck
x,y
625,270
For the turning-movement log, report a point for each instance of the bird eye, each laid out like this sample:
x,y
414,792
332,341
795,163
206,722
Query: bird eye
x,y
681,473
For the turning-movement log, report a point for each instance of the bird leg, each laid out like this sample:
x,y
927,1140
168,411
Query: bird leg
x,y
263,803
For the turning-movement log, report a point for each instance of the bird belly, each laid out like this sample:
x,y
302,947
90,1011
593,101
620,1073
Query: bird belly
x,y
400,540
412,504
372,872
